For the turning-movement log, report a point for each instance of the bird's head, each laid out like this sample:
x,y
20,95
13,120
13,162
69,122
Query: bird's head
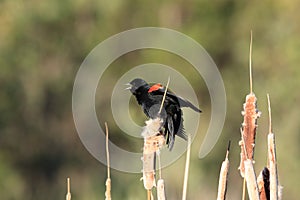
x,y
135,84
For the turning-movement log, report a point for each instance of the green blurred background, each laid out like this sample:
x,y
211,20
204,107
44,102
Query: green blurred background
x,y
42,44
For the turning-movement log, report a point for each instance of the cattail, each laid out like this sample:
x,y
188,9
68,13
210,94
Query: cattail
x,y
249,125
222,189
149,163
248,130
152,143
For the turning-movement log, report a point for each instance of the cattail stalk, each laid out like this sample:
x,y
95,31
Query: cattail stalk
x,y
187,166
272,161
244,190
108,180
68,196
161,194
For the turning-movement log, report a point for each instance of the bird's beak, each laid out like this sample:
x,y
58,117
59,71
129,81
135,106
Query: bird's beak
x,y
129,86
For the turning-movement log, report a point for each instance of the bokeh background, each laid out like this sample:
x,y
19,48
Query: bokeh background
x,y
43,43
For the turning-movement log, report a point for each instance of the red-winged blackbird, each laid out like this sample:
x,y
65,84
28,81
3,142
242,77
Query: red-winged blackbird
x,y
150,98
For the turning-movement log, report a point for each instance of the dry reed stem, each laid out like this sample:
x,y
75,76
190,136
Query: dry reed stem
x,y
161,195
108,180
263,184
251,180
222,188
187,166
68,196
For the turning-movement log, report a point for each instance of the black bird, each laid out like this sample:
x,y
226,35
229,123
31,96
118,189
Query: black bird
x,y
150,98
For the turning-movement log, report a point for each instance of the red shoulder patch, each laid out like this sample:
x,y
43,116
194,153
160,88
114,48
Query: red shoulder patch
x,y
155,87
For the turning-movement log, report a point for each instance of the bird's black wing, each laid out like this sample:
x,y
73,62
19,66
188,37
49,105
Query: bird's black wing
x,y
182,102
185,103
